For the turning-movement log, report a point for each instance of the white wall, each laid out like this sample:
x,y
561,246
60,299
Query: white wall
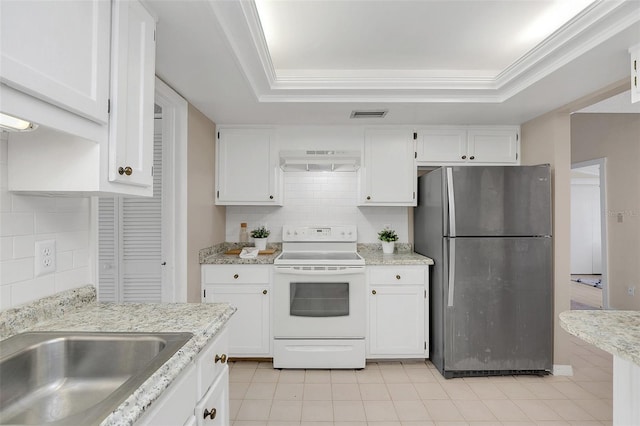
x,y
319,198
586,252
27,219
616,138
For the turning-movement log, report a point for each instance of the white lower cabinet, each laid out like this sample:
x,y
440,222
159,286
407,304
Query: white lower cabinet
x,y
213,409
176,403
398,312
204,384
398,309
248,288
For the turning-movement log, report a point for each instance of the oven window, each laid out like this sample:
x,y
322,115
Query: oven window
x,y
319,299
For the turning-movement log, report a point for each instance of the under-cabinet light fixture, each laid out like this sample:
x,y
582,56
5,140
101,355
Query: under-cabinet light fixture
x,y
13,124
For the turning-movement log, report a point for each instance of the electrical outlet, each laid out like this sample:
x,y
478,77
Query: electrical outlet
x,y
631,291
45,259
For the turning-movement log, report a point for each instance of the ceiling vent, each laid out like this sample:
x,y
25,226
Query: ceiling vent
x,y
369,114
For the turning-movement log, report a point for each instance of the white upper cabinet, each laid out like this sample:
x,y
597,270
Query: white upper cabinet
x,y
132,94
247,171
493,145
98,152
388,176
446,145
467,145
58,51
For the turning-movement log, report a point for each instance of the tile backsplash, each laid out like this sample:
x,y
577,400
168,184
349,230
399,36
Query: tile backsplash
x,y
26,219
319,198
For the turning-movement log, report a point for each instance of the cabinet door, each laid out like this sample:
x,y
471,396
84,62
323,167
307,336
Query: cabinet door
x,y
175,405
215,403
249,327
132,94
442,145
497,146
396,320
58,51
389,168
246,169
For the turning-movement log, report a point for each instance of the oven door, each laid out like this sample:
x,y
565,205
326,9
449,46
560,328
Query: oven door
x,y
319,302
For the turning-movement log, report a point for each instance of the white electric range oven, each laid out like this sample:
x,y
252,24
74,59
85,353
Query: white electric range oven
x,y
319,299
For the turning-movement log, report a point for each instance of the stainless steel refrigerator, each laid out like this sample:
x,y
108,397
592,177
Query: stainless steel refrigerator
x,y
488,230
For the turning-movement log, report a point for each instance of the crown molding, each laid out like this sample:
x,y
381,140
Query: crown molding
x,y
241,26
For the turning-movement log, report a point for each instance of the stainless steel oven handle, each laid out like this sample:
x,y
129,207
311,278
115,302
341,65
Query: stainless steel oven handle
x,y
346,271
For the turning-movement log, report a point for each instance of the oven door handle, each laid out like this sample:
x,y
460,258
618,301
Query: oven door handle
x,y
346,271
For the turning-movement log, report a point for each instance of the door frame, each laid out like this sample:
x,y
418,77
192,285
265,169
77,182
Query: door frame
x,y
174,197
602,162
174,221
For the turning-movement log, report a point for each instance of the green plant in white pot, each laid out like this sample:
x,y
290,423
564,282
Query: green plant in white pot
x,y
260,236
388,237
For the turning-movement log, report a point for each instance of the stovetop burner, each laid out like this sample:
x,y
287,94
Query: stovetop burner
x,y
319,245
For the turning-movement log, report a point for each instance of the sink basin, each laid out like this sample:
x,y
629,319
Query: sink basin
x,y
74,378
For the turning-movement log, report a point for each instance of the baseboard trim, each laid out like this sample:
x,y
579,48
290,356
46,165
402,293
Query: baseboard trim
x,y
562,370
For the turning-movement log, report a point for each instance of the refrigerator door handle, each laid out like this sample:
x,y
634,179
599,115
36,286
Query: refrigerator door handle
x,y
452,270
452,203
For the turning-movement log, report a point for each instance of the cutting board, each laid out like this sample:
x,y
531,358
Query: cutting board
x,y
237,251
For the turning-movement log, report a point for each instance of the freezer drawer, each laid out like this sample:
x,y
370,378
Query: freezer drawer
x,y
498,304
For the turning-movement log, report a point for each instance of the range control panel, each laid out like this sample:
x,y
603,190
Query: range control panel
x,y
342,233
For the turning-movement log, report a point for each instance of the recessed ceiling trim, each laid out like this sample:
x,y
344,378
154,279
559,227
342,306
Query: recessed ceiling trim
x,y
242,28
250,11
592,27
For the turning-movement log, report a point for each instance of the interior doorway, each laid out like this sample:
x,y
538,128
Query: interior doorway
x,y
169,239
588,235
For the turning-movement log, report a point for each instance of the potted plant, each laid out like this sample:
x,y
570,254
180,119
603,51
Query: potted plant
x,y
388,237
259,236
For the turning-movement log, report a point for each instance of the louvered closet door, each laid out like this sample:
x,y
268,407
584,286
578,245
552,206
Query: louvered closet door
x,y
131,256
107,250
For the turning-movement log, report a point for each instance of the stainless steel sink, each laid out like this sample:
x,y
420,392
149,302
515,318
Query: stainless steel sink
x,y
74,378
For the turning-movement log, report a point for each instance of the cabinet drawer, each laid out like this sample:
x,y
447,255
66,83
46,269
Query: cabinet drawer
x,y
212,361
400,275
233,274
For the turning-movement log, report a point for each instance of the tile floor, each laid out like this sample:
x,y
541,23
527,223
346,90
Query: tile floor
x,y
414,393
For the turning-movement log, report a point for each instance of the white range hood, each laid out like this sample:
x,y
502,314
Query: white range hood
x,y
316,161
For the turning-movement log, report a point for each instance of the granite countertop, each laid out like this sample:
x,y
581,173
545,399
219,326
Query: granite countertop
x,y
402,255
372,254
76,310
214,255
617,332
